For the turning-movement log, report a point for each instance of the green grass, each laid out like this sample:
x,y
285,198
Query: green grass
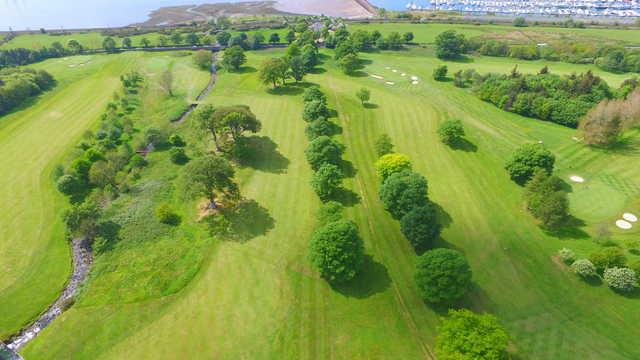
x,y
260,297
88,39
426,33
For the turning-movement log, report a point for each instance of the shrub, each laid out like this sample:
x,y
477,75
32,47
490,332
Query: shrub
x,y
383,145
584,268
137,161
93,155
165,215
69,185
178,156
449,44
465,336
607,258
451,131
402,192
326,181
440,73
527,159
156,137
546,199
442,275
620,279
364,95
323,150
420,226
566,255
337,251
392,163
176,140
314,110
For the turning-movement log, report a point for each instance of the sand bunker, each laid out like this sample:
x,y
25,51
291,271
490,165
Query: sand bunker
x,y
576,178
414,78
630,217
390,83
394,70
388,68
414,82
623,224
403,74
377,76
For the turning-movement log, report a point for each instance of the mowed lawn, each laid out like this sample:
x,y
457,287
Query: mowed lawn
x,y
34,255
260,298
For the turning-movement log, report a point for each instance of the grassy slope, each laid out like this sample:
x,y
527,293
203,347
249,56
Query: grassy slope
x,y
34,255
260,299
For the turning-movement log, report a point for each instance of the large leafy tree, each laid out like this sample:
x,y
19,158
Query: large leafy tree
x,y
546,199
442,275
527,159
337,251
420,226
403,191
389,164
323,150
227,122
209,175
449,44
326,181
273,71
451,131
233,58
468,336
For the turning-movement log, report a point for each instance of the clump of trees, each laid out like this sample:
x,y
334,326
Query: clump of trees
x,y
442,275
559,99
296,63
450,45
227,125
18,85
608,257
527,160
22,56
604,124
234,58
465,335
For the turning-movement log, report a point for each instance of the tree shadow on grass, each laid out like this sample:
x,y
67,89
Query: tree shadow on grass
x,y
571,229
358,73
246,70
247,220
347,168
461,59
444,219
475,299
109,231
261,153
346,197
318,70
624,146
370,106
295,88
372,279
464,145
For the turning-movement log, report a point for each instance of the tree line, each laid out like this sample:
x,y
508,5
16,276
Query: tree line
x,y
18,85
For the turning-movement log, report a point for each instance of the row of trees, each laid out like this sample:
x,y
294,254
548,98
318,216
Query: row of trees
x,y
21,56
336,248
18,85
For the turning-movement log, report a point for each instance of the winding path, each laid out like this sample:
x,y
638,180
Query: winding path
x,y
82,260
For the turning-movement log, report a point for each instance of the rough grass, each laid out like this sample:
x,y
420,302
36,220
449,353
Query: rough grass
x,y
259,297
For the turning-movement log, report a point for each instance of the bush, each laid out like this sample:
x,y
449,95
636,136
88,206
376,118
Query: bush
x,y
527,159
326,181
584,268
465,336
620,279
69,185
449,44
93,155
137,161
337,251
402,192
323,150
176,140
440,73
314,110
392,163
608,257
178,156
165,215
451,132
566,255
420,226
383,145
546,199
442,275
156,137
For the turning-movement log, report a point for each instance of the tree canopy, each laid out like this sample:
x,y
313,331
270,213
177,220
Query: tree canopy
x,y
420,226
403,191
234,58
450,44
209,175
337,251
442,275
527,159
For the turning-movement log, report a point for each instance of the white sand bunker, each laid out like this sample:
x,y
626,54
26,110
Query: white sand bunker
x,y
388,68
394,70
415,82
72,65
390,83
414,78
630,217
403,74
377,77
623,224
576,179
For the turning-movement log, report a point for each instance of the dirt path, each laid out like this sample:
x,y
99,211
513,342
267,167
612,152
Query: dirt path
x,y
82,260
203,94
